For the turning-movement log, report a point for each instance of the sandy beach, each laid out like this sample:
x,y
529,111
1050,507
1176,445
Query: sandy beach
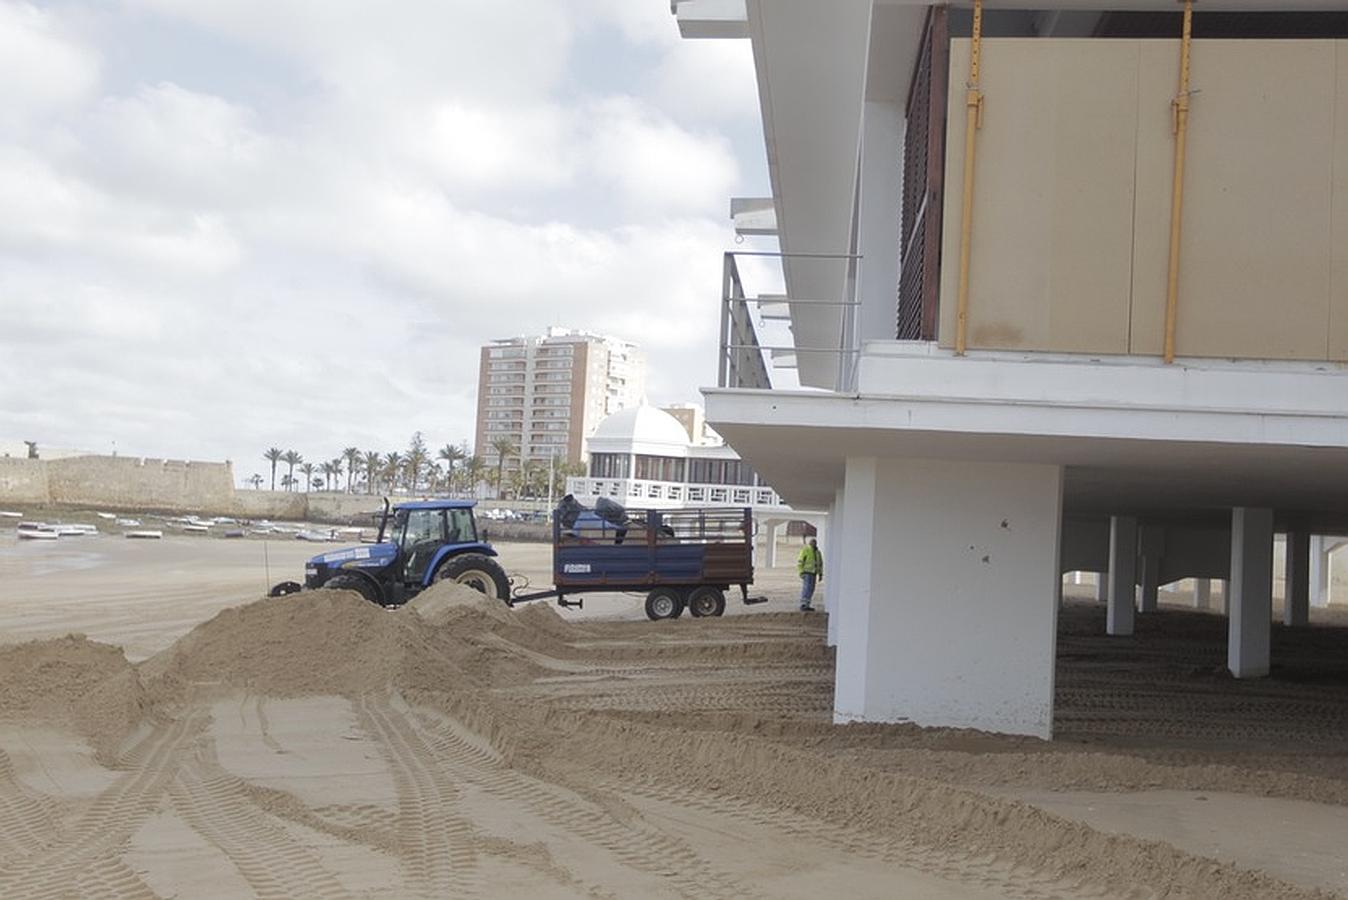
x,y
197,740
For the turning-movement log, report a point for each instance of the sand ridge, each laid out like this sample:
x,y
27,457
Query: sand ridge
x,y
516,747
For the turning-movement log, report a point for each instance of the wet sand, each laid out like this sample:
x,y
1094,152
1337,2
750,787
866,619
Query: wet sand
x,y
319,746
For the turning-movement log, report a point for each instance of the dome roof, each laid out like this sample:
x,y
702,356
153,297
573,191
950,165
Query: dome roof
x,y
642,425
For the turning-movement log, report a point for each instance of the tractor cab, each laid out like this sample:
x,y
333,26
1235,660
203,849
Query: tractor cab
x,y
419,543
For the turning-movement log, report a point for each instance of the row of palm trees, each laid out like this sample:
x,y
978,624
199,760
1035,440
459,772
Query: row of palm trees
x,y
452,470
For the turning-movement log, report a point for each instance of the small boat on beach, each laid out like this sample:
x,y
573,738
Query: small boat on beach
x,y
75,529
145,535
34,534
103,515
128,523
7,514
196,527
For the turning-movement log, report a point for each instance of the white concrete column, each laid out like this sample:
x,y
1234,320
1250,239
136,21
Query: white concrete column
x,y
1296,609
1202,593
772,526
1320,571
956,625
1251,592
1148,598
1122,575
835,564
854,587
1150,548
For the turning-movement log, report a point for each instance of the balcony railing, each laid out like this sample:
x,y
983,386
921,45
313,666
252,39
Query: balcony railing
x,y
636,491
742,363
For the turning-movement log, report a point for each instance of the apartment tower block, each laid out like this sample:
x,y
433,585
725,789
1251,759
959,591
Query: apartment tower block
x,y
545,394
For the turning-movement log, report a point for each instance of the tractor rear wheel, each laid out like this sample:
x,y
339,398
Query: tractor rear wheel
x,y
664,603
284,588
706,601
355,583
479,572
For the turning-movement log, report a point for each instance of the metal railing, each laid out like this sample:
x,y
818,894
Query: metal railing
x,y
636,491
741,362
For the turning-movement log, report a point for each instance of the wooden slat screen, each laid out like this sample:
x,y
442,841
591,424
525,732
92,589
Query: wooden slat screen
x,y
923,183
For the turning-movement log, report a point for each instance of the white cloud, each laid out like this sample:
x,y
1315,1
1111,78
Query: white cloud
x,y
657,164
41,67
183,146
709,80
315,265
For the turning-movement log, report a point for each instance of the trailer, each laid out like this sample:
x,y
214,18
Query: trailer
x,y
679,558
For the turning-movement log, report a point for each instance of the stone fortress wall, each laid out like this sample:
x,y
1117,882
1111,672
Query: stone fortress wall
x,y
133,484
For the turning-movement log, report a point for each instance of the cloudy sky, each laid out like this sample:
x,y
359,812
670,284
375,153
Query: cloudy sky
x,y
228,224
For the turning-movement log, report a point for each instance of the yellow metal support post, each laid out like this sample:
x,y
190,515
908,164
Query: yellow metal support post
x,y
1180,112
973,118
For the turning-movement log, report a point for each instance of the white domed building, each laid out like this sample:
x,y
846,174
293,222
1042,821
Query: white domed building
x,y
643,457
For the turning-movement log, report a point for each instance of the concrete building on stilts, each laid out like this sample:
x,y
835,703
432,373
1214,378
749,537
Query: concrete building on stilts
x,y
1117,234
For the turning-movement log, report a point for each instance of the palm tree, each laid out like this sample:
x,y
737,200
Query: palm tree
x,y
504,447
473,469
287,482
328,474
256,480
291,459
308,470
371,464
416,463
334,472
273,456
452,456
393,467
351,456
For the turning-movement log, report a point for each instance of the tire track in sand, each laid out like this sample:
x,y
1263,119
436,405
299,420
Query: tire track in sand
x,y
218,806
85,858
634,843
27,819
438,848
982,872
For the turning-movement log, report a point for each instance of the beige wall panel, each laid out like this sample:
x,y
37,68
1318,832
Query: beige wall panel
x,y
1338,301
1255,263
1053,220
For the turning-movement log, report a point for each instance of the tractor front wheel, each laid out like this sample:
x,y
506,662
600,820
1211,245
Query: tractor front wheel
x,y
347,582
479,572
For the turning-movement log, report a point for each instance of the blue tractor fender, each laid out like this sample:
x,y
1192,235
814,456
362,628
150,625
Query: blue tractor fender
x,y
450,550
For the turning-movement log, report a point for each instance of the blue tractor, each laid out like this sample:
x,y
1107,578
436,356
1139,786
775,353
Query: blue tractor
x,y
419,543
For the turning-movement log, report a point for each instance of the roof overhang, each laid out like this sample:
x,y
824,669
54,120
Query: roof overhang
x,y
1294,462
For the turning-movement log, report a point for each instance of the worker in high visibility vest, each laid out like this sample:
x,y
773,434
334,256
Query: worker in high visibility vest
x,y
810,568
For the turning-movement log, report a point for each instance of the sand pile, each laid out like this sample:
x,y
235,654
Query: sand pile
x,y
316,642
446,602
72,682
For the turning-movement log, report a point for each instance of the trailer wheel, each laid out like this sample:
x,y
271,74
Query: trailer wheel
x,y
284,588
480,572
663,603
706,601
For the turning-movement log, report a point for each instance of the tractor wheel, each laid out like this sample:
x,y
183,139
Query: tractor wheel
x,y
664,603
284,588
706,601
352,583
482,573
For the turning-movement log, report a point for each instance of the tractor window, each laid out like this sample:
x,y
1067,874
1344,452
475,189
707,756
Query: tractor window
x,y
422,536
461,528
